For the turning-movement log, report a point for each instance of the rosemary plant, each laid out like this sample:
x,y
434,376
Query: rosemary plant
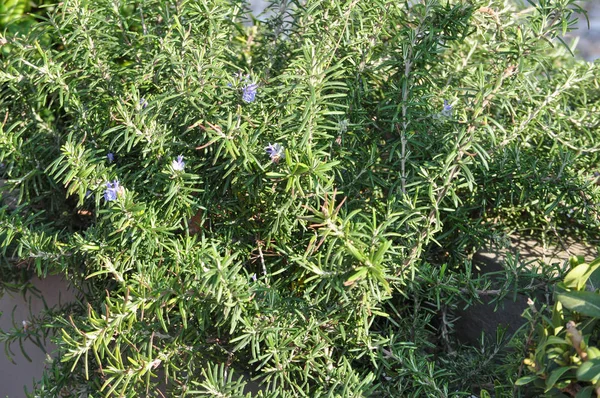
x,y
294,202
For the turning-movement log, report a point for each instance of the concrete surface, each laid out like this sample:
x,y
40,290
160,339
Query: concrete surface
x,y
589,39
484,317
15,376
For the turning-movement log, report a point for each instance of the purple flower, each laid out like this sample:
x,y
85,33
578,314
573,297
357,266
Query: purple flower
x,y
111,157
447,110
143,103
253,277
178,164
249,92
112,191
276,152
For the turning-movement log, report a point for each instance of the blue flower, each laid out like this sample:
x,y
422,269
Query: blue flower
x,y
447,110
111,157
276,152
249,92
143,103
112,191
178,164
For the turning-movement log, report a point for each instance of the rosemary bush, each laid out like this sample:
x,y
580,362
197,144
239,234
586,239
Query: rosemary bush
x,y
295,201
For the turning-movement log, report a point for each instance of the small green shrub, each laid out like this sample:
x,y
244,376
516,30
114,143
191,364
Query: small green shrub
x,y
564,358
297,201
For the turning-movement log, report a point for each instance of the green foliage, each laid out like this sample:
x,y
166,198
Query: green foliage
x,y
331,267
11,10
17,17
564,357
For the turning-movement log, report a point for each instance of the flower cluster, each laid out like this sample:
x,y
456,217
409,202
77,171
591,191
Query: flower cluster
x,y
249,87
276,152
447,110
178,164
113,189
249,92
